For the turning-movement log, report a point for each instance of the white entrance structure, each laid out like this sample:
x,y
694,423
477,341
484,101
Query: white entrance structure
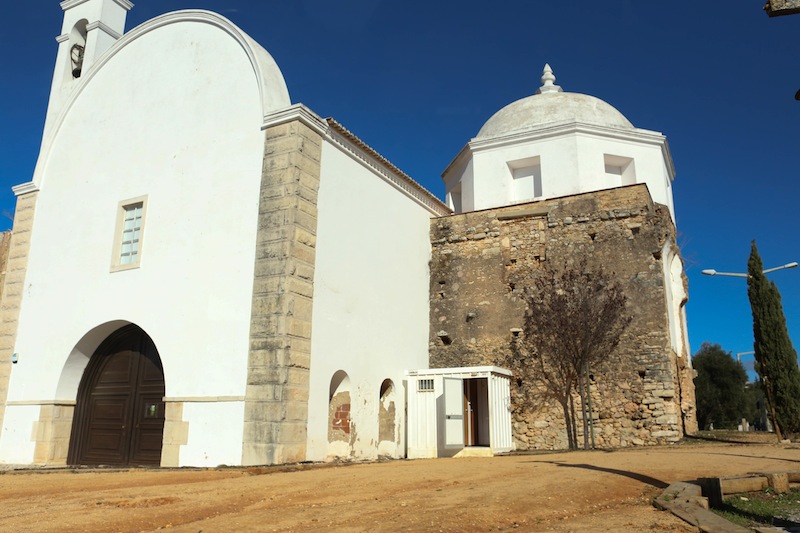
x,y
451,410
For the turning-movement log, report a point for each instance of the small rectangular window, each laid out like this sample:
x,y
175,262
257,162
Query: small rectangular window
x,y
131,234
128,235
425,385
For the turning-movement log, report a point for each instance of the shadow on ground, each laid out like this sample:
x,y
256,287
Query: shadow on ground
x,y
657,483
712,438
753,457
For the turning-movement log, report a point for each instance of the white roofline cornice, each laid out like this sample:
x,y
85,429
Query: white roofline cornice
x,y
348,143
425,372
637,135
24,188
553,130
457,160
124,4
103,27
69,4
296,112
667,154
358,150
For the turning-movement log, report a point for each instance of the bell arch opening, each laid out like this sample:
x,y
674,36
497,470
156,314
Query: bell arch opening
x,y
77,47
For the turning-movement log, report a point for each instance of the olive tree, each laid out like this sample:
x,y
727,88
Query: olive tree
x,y
574,320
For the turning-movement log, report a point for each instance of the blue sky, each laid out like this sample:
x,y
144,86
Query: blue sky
x,y
416,80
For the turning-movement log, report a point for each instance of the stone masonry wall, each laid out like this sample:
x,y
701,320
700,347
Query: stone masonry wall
x,y
14,268
51,433
482,262
276,399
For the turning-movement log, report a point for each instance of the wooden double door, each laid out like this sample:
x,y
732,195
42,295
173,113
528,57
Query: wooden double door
x,y
119,414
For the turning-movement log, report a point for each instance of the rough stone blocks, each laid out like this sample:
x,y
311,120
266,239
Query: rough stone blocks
x,y
15,264
51,434
276,408
481,265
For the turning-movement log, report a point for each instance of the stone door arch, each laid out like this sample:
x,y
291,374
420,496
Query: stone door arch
x,y
119,414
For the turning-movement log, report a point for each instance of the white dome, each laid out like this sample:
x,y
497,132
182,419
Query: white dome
x,y
550,105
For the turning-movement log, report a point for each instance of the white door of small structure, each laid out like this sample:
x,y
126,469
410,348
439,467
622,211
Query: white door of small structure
x,y
436,411
453,412
502,439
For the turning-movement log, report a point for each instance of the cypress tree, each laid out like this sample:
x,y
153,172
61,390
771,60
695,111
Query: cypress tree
x,y
775,357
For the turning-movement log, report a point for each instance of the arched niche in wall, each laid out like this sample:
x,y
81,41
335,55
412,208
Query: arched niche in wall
x,y
679,299
621,170
339,420
526,179
387,413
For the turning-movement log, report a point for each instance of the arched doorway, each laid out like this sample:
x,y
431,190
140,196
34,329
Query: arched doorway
x,y
119,414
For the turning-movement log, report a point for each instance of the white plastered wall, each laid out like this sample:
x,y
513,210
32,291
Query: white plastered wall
x,y
370,316
570,162
215,433
493,179
647,159
174,115
461,181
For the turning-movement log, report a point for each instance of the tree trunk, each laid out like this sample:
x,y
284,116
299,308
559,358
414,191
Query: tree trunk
x,y
589,405
582,392
572,421
567,416
772,414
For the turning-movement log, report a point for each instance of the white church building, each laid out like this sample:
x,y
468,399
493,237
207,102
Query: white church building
x,y
190,282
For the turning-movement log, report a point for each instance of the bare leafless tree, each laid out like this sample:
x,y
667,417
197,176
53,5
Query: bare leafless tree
x,y
574,320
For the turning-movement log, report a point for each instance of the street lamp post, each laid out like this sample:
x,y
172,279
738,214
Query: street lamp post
x,y
712,272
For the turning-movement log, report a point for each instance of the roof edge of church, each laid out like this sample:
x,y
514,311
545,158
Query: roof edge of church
x,y
424,195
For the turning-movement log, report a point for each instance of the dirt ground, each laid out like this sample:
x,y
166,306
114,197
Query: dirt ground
x,y
576,491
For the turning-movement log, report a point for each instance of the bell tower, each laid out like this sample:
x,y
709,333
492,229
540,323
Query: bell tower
x,y
90,27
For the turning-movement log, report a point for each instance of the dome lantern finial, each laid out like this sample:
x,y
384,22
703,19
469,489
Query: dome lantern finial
x,y
547,82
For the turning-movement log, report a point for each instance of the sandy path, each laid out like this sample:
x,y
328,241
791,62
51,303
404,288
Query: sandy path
x,y
578,491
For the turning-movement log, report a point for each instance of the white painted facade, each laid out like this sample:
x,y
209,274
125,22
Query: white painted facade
x,y
186,137
175,136
370,316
